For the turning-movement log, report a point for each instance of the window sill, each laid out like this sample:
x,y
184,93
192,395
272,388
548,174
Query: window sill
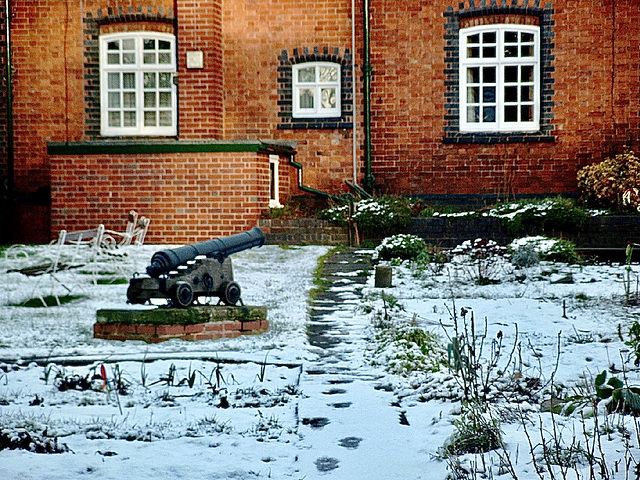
x,y
315,124
503,137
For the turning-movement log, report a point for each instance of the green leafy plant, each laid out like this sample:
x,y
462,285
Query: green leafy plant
x,y
476,432
263,369
623,399
605,184
634,341
404,348
169,378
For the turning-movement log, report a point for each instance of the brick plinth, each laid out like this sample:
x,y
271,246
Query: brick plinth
x,y
194,323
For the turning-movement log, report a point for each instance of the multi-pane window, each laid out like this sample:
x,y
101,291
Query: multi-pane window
x,y
138,96
316,90
499,78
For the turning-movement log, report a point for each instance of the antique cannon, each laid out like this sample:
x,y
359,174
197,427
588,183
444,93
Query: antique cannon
x,y
200,270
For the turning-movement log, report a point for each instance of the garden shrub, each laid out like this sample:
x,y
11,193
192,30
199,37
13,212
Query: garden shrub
x,y
550,249
480,256
605,184
402,246
525,256
375,217
404,348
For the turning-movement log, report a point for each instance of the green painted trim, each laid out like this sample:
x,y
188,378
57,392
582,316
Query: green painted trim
x,y
304,188
153,147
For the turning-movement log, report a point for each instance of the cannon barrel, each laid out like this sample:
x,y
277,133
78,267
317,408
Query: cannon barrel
x,y
220,248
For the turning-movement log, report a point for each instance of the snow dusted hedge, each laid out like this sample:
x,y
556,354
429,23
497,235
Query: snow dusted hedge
x,y
374,216
524,216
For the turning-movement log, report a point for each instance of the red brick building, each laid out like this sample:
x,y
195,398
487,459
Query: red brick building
x,y
201,114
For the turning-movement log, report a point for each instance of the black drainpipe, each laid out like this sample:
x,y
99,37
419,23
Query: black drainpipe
x,y
10,141
367,69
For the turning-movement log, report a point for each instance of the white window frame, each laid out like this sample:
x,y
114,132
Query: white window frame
x,y
138,68
500,61
317,86
274,182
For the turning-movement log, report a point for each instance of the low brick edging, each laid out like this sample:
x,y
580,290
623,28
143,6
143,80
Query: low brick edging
x,y
193,323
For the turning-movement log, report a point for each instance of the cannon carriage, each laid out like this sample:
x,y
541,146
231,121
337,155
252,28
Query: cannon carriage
x,y
182,275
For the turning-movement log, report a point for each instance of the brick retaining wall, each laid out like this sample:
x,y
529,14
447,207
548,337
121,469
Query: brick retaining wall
x,y
301,231
613,231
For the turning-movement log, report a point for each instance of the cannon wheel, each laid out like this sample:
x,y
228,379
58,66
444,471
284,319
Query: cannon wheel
x,y
230,293
182,295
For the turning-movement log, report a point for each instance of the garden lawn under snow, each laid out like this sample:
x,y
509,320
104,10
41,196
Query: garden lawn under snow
x,y
278,406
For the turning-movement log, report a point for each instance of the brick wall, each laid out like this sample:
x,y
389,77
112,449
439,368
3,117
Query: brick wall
x,y
591,102
188,196
201,91
3,102
591,105
257,35
303,231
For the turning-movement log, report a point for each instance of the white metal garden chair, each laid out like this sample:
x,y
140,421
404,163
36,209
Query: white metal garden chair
x,y
42,265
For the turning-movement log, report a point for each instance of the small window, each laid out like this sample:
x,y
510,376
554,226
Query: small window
x,y
499,78
138,96
274,182
316,90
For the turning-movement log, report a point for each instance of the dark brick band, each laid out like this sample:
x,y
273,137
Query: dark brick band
x,y
452,71
285,88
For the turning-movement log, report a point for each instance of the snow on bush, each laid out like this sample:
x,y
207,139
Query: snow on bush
x,y
373,215
403,246
403,349
546,248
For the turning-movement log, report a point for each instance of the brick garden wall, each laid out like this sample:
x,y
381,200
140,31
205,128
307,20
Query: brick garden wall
x,y
604,232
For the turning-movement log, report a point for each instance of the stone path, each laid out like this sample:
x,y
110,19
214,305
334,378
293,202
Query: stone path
x,y
355,399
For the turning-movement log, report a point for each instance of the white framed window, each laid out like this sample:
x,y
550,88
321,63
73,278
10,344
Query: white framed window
x,y
500,78
137,92
274,182
316,90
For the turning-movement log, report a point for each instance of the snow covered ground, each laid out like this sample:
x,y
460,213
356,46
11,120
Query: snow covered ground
x,y
281,405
